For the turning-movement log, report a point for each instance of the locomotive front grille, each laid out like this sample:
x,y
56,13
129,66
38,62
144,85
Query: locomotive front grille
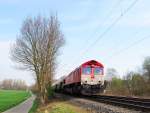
x,y
98,79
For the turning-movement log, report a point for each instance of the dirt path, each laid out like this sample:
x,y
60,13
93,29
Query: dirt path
x,y
23,107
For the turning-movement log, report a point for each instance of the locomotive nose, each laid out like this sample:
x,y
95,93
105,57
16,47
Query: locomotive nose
x,y
92,74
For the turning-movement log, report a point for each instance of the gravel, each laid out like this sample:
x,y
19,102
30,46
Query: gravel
x,y
97,107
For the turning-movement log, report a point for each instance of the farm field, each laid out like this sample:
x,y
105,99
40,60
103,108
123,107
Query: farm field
x,y
10,98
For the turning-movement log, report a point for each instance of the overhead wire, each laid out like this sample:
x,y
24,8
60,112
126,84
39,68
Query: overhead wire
x,y
128,47
109,14
112,50
107,29
104,20
111,26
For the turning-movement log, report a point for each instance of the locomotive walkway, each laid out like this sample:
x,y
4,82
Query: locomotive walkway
x,y
24,107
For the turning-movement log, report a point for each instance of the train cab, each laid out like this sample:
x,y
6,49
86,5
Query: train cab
x,y
92,74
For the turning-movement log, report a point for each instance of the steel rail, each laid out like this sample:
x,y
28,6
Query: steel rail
x,y
130,102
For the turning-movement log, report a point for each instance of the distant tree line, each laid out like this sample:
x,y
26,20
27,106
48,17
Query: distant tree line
x,y
11,84
133,83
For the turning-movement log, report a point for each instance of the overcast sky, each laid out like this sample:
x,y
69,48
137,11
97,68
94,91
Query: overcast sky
x,y
123,47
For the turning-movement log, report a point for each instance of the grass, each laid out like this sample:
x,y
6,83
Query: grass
x,y
59,106
10,98
63,108
34,106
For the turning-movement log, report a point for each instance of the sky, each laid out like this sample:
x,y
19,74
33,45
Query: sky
x,y
85,25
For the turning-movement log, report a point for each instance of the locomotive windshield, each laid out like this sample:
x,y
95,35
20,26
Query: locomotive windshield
x,y
98,71
87,70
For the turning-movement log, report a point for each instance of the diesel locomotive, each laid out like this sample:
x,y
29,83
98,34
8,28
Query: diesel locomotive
x,y
88,78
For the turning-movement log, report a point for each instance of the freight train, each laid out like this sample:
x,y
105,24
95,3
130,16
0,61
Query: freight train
x,y
87,79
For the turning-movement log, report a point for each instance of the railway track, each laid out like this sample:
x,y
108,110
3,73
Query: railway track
x,y
130,102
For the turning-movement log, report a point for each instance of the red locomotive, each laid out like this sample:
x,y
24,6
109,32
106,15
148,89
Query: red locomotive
x,y
86,79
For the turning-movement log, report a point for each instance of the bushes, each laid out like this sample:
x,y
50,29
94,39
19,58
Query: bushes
x,y
50,93
37,102
138,85
132,85
117,87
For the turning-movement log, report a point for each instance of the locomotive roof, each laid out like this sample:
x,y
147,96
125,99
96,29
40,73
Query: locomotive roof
x,y
92,62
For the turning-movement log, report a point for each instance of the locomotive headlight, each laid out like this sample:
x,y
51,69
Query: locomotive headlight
x,y
84,81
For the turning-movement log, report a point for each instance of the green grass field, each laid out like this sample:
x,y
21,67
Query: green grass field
x,y
10,98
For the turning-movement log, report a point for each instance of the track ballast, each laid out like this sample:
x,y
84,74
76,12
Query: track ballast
x,y
130,102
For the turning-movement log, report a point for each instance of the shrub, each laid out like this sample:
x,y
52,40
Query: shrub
x,y
50,93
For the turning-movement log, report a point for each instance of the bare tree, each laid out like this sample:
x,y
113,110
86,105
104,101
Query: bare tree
x,y
13,84
7,84
111,73
36,49
128,81
146,67
19,85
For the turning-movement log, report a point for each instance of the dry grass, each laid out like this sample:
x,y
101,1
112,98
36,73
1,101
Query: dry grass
x,y
61,106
